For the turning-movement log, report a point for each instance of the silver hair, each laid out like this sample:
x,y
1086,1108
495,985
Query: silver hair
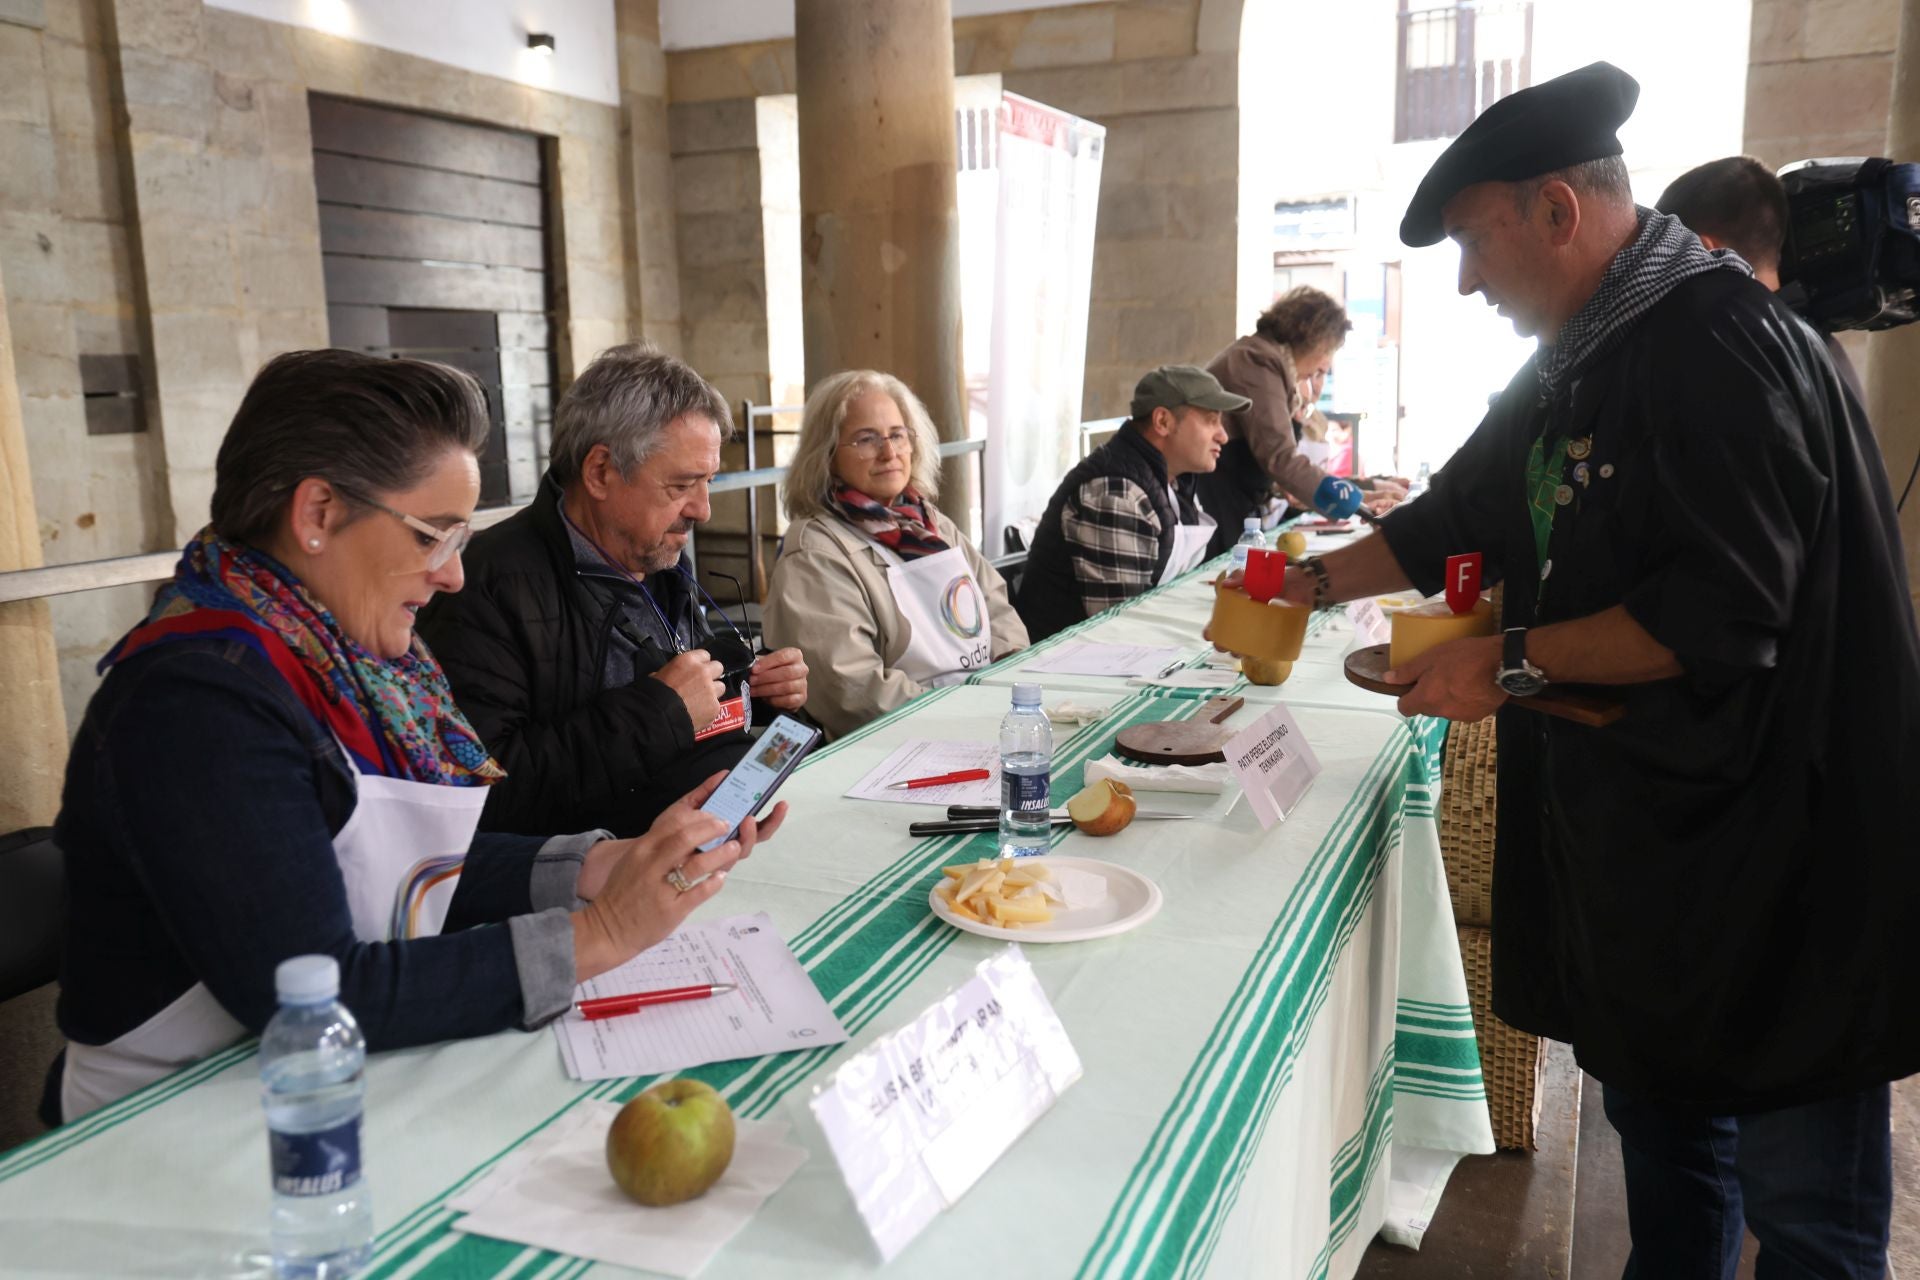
x,y
1605,179
625,400
810,473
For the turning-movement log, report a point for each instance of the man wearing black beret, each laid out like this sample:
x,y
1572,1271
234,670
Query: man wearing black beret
x,y
1716,898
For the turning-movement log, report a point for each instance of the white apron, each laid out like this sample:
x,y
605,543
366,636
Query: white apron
x,y
1189,550
397,887
949,635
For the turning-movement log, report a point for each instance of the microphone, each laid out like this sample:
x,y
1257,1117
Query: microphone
x,y
1337,499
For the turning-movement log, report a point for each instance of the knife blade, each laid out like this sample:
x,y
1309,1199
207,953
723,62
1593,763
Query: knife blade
x,y
965,812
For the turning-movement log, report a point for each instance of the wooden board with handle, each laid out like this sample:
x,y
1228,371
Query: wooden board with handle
x,y
1201,740
1368,667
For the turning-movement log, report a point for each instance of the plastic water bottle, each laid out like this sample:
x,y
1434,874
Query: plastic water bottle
x,y
1421,479
1026,777
1250,538
312,1064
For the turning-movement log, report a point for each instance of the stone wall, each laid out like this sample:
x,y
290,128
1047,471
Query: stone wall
x,y
190,241
1164,258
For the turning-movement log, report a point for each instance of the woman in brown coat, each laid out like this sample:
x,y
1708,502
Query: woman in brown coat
x,y
1281,366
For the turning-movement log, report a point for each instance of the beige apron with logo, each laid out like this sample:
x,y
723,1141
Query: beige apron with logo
x,y
949,635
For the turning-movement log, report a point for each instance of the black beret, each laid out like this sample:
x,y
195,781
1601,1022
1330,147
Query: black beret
x,y
1566,121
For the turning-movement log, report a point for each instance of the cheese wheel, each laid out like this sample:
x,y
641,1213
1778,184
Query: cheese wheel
x,y
1251,629
1418,629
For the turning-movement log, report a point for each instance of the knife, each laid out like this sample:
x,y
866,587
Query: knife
x,y
967,812
968,826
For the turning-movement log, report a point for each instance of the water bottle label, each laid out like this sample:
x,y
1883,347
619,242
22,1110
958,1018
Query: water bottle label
x,y
1025,790
316,1164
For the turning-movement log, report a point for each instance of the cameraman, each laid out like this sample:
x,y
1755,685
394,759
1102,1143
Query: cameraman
x,y
1737,203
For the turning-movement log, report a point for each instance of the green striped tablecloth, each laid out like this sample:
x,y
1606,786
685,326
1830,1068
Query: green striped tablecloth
x,y
1249,1054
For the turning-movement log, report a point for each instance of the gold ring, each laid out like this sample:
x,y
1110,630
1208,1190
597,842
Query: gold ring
x,y
680,883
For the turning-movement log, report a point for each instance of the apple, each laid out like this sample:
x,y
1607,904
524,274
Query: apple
x,y
671,1143
1293,543
1265,670
1103,808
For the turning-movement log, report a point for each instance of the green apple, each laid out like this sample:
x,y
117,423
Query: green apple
x,y
671,1143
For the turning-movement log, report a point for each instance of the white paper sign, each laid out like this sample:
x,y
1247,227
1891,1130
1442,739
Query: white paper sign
x,y
1370,625
915,1119
1274,764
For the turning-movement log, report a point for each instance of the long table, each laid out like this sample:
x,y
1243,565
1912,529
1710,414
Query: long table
x,y
1250,1055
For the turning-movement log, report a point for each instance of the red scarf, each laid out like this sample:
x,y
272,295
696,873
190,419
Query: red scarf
x,y
906,528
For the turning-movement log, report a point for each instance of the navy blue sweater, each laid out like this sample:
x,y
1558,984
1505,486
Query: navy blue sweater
x,y
197,824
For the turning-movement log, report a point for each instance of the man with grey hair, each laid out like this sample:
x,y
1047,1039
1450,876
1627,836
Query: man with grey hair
x,y
588,659
1713,897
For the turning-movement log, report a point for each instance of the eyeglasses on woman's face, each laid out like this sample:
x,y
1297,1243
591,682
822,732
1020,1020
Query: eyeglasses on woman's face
x,y
867,444
441,545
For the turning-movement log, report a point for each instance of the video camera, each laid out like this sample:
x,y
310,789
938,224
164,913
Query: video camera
x,y
1852,257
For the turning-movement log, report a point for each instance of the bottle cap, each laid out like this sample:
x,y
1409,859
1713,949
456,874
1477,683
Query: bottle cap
x,y
1250,525
307,979
1026,695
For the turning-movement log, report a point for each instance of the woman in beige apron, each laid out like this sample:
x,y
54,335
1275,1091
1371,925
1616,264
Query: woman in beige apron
x,y
875,586
196,862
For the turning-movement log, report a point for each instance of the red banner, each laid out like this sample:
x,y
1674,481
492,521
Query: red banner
x,y
1266,574
1463,581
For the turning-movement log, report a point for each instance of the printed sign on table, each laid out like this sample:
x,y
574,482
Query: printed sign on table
x,y
918,1117
1273,763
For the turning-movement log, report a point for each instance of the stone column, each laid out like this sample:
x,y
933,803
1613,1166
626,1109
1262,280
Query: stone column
x,y
1893,390
33,727
880,232
653,270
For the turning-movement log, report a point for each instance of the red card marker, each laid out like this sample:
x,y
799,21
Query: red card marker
x,y
1266,574
1463,581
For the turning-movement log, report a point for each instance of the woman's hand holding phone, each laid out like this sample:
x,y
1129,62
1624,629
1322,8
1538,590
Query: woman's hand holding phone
x,y
633,903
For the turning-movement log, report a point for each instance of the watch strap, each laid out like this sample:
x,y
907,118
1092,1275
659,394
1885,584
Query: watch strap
x,y
1513,651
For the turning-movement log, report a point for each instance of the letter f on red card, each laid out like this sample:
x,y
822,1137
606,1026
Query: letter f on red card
x,y
1463,581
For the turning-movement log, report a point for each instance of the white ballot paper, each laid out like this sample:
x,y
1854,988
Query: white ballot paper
x,y
1086,658
920,1115
928,758
777,1008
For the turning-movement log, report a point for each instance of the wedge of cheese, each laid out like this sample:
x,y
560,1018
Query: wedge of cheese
x,y
1423,626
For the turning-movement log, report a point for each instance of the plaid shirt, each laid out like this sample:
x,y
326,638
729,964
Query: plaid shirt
x,y
1112,531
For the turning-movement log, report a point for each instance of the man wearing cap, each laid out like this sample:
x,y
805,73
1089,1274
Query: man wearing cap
x,y
1125,519
1716,898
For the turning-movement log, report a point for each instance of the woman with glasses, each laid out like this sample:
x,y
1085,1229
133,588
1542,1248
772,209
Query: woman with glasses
x,y
274,766
874,585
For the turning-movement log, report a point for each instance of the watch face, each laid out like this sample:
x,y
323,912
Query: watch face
x,y
1521,683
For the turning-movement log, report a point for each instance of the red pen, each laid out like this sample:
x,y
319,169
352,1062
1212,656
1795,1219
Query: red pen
x,y
615,1006
941,780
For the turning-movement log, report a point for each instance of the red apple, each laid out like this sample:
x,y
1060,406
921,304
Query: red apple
x,y
671,1143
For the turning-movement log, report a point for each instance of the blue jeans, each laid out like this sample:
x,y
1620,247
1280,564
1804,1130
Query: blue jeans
x,y
1814,1182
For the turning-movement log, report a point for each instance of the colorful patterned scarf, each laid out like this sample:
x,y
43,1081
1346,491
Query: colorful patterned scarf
x,y
906,528
396,718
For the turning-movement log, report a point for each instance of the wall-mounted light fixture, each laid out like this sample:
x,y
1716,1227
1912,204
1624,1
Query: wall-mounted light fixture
x,y
541,43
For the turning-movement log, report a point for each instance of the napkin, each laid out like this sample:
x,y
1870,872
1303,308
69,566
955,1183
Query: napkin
x,y
1200,779
1075,713
555,1193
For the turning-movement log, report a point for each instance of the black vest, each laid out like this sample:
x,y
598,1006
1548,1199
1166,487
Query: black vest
x,y
1050,596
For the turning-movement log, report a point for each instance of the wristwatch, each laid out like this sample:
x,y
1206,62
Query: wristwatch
x,y
1516,675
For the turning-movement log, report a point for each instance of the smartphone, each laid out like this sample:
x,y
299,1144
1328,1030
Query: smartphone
x,y
749,786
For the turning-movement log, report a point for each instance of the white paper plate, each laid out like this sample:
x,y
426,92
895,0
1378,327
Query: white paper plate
x,y
1132,900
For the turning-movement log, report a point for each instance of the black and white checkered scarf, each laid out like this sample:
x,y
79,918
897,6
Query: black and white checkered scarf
x,y
1660,257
